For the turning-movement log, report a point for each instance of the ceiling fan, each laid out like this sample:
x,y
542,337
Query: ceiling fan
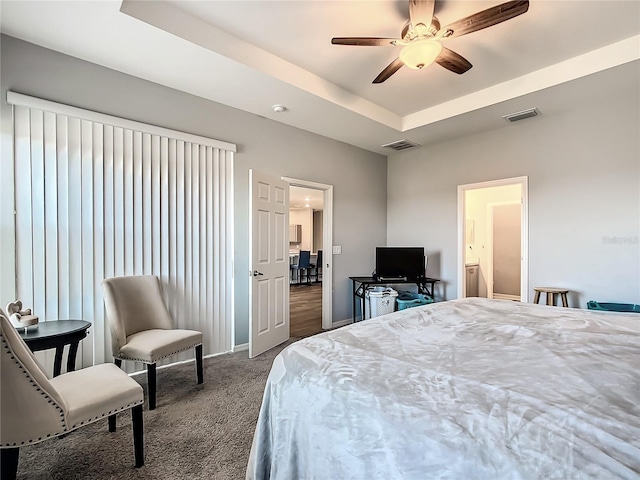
x,y
421,36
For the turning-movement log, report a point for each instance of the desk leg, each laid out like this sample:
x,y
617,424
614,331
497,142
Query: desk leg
x,y
430,288
71,357
57,362
353,286
426,288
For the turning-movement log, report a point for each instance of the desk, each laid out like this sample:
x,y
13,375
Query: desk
x,y
425,286
56,334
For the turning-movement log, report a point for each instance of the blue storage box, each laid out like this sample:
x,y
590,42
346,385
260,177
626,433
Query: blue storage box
x,y
407,299
613,307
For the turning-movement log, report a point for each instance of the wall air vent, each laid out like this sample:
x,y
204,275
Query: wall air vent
x,y
514,117
399,145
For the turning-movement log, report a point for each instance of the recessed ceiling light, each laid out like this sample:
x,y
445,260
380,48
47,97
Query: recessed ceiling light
x,y
279,108
307,205
307,198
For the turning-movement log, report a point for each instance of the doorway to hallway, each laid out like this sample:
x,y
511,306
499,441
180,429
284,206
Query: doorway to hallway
x,y
321,271
306,215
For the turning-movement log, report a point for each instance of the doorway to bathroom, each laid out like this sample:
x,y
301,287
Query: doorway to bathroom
x,y
492,239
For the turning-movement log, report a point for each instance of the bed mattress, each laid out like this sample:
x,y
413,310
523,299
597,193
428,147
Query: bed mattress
x,y
465,389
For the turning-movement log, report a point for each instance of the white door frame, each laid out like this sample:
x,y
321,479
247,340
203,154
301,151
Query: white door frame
x,y
524,271
490,210
327,246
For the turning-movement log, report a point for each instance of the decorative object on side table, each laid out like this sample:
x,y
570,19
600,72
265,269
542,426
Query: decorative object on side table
x,y
20,318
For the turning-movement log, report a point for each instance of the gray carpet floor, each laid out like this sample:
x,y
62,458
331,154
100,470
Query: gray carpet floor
x,y
195,432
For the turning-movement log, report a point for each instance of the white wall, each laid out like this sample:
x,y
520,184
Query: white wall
x,y
317,230
358,176
304,218
584,196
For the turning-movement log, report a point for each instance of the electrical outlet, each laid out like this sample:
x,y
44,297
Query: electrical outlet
x,y
337,249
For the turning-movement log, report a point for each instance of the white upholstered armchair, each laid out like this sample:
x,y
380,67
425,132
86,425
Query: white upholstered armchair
x,y
141,326
35,408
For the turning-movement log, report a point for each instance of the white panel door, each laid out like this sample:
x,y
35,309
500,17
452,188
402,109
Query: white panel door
x,y
269,262
506,252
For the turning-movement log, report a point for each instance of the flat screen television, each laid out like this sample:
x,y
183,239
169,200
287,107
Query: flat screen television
x,y
399,263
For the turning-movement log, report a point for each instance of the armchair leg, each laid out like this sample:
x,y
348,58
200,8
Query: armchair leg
x,y
138,435
112,418
199,363
9,460
112,423
151,380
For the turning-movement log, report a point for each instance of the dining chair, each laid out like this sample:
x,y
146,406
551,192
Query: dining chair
x,y
303,265
142,328
35,408
318,265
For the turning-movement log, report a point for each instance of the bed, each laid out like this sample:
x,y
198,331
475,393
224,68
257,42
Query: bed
x,y
465,389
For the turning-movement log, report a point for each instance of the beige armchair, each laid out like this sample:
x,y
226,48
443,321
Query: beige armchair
x,y
142,328
35,408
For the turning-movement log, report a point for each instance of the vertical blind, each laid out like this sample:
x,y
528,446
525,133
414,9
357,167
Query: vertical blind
x,y
98,196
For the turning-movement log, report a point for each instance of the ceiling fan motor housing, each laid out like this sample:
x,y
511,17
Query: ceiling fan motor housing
x,y
420,53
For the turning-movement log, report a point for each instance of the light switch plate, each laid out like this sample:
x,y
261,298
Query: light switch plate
x,y
337,249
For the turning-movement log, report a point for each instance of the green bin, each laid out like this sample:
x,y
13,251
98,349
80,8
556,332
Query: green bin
x,y
613,307
407,299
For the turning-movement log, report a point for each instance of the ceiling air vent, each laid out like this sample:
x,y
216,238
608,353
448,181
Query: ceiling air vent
x,y
514,117
399,145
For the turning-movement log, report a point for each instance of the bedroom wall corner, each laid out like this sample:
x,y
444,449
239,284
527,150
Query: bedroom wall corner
x,y
584,195
359,177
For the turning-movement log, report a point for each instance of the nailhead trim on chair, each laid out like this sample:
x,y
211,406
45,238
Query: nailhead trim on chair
x,y
75,427
158,359
26,373
51,400
109,413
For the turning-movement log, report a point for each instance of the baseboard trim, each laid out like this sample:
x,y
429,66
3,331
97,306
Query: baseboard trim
x,y
173,364
243,347
506,296
342,323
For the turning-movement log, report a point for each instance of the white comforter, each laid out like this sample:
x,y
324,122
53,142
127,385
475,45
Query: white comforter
x,y
465,389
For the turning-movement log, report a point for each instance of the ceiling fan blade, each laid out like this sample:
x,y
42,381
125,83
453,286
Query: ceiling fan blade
x,y
421,11
486,18
365,41
392,68
452,61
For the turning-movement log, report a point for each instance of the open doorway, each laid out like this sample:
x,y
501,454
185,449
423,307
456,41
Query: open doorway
x,y
492,239
311,231
306,209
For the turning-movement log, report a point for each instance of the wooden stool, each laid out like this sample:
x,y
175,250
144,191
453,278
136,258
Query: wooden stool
x,y
551,295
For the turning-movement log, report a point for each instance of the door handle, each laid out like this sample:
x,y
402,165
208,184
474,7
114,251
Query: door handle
x,y
256,273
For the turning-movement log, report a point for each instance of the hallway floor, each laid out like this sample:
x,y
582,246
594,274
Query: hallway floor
x,y
306,309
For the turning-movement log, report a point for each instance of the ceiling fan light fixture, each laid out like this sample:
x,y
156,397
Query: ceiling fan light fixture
x,y
420,53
